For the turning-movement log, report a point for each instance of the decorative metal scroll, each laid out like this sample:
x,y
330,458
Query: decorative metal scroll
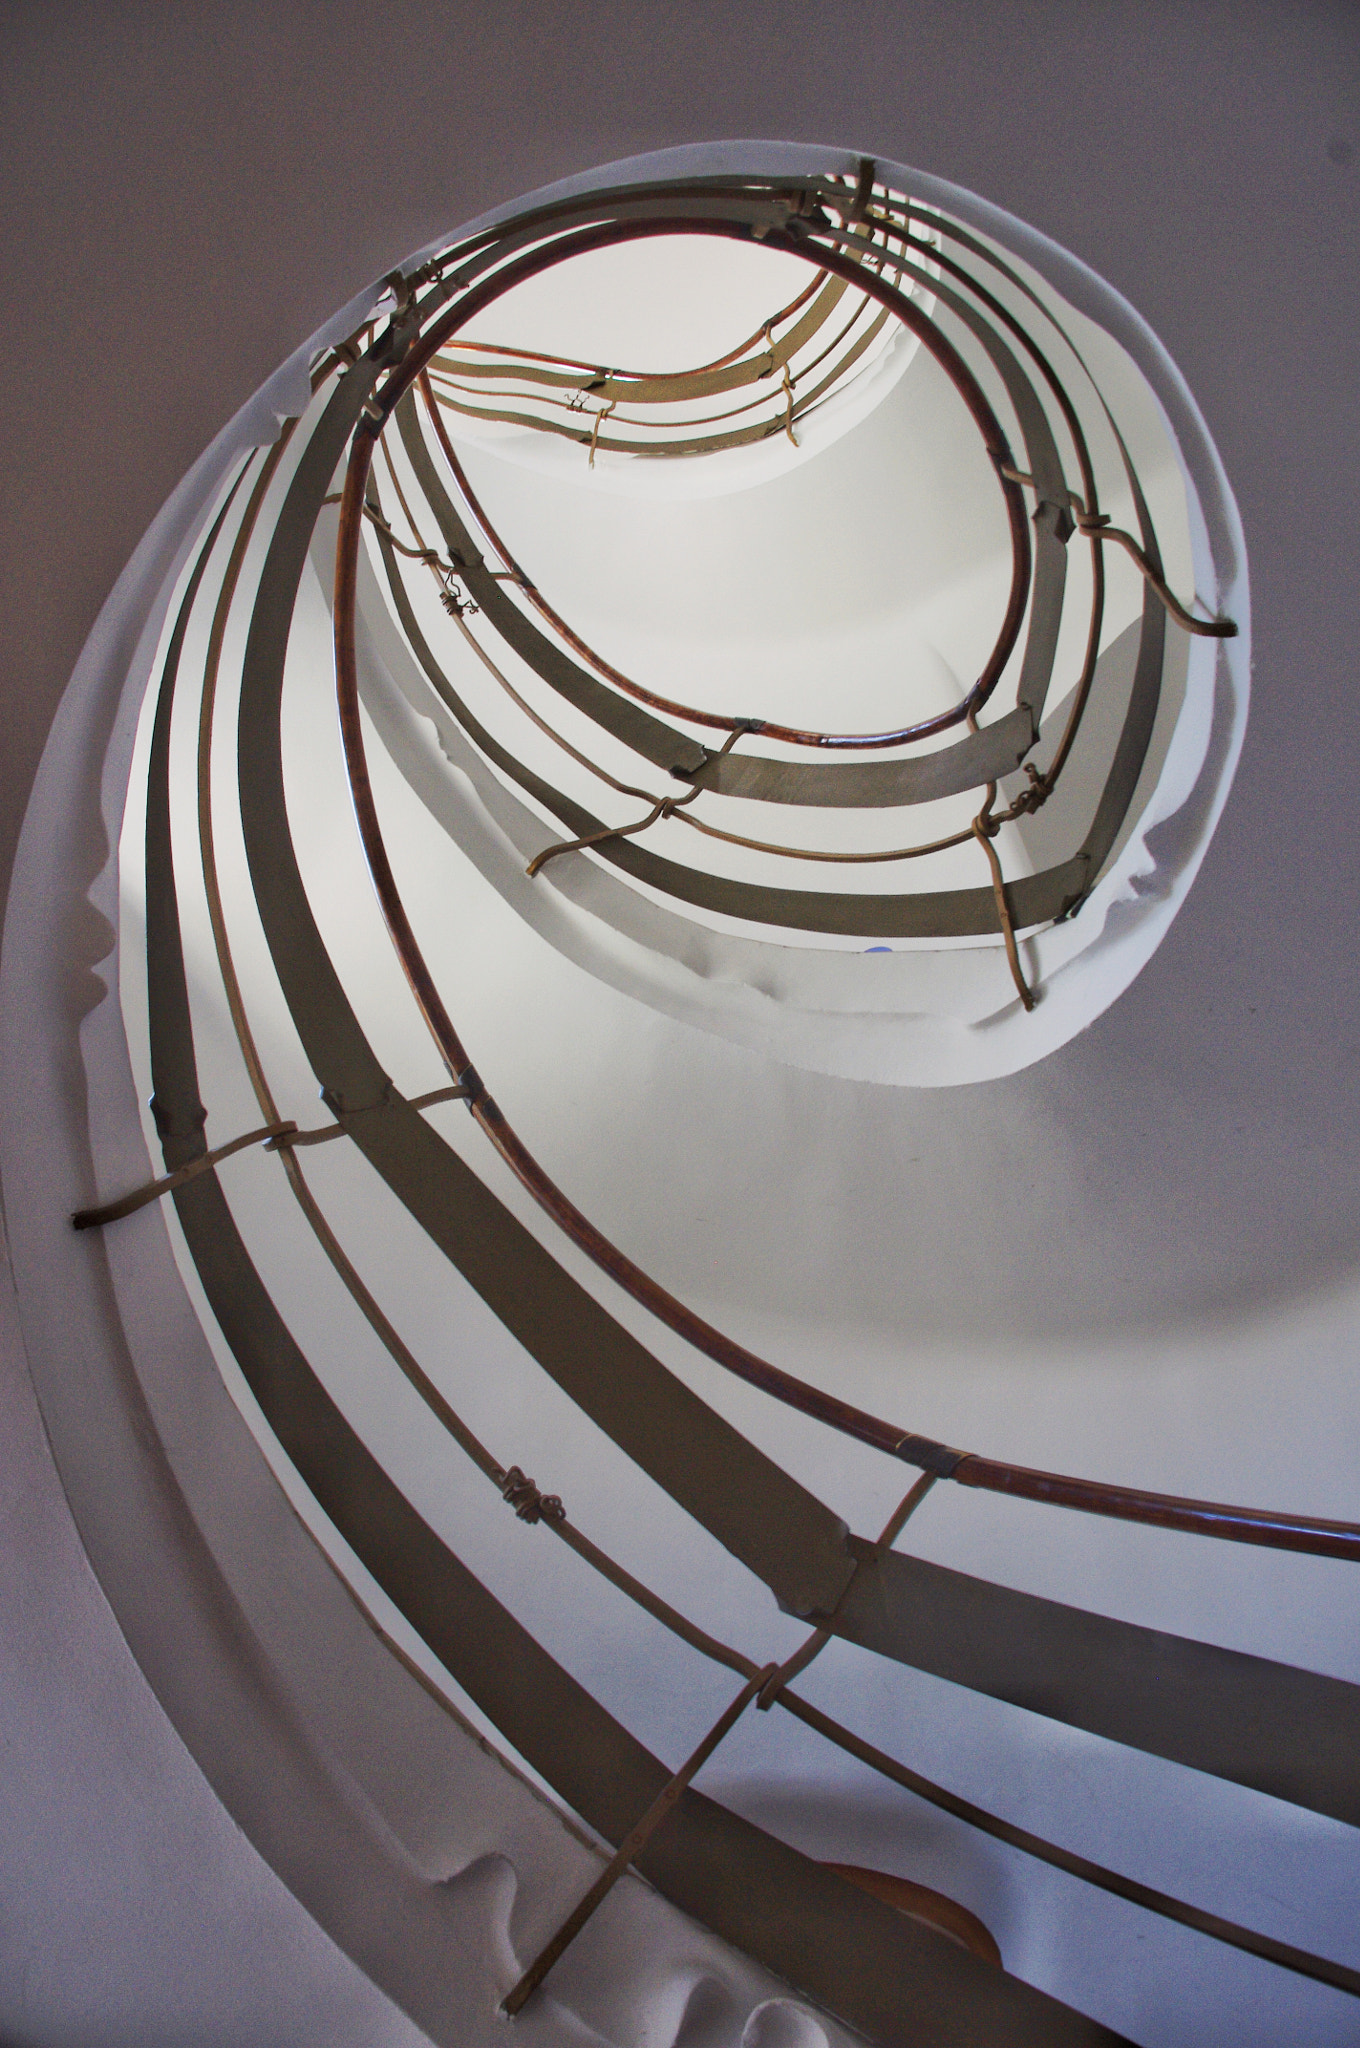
x,y
376,410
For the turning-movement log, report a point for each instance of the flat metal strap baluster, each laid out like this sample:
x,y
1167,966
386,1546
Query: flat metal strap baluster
x,y
629,1847
820,1637
540,860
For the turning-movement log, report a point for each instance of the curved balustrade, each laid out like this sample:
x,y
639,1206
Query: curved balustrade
x,y
804,354
410,529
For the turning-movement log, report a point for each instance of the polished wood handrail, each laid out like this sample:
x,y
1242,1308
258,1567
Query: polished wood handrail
x,y
1275,1529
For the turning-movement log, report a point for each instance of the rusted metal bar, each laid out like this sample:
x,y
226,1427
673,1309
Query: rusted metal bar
x,y
152,1190
631,1845
283,1136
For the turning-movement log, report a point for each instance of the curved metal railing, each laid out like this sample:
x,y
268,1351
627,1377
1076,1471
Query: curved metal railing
x,y
1156,1692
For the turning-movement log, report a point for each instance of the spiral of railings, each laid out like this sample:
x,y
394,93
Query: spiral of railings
x,y
795,363
375,443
